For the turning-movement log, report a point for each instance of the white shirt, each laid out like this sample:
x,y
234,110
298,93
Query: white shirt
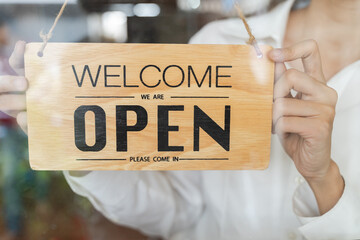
x,y
223,205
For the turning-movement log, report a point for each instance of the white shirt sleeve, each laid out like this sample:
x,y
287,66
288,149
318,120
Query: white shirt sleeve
x,y
341,222
155,203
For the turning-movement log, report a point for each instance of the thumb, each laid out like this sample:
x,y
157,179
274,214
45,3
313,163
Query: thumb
x,y
16,59
280,67
21,119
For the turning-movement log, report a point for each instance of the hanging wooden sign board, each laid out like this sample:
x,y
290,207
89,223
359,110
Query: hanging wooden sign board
x,y
148,106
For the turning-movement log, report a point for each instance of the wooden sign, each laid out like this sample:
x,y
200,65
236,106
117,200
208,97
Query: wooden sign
x,y
148,106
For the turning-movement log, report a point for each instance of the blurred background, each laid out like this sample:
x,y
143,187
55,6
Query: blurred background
x,y
38,204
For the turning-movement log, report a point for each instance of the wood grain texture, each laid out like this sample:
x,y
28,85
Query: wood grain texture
x,y
54,95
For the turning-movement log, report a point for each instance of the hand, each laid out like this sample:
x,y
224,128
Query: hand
x,y
12,91
304,122
12,88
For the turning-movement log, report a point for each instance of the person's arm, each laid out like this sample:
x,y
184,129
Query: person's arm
x,y
327,206
342,221
304,123
328,188
155,203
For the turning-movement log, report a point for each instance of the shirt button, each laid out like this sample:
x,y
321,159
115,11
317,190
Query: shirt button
x,y
298,180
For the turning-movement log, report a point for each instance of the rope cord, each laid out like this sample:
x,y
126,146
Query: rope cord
x,y
252,41
47,37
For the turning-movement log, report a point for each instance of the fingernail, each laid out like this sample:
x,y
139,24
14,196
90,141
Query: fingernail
x,y
276,52
21,84
20,45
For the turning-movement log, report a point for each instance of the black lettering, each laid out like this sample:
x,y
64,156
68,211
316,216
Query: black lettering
x,y
164,74
219,76
100,128
86,69
145,96
121,124
107,75
191,71
141,78
125,85
202,120
164,129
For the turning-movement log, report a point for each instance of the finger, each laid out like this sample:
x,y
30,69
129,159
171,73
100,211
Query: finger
x,y
22,121
12,84
12,113
12,102
309,53
305,127
280,69
79,173
292,107
300,82
16,59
